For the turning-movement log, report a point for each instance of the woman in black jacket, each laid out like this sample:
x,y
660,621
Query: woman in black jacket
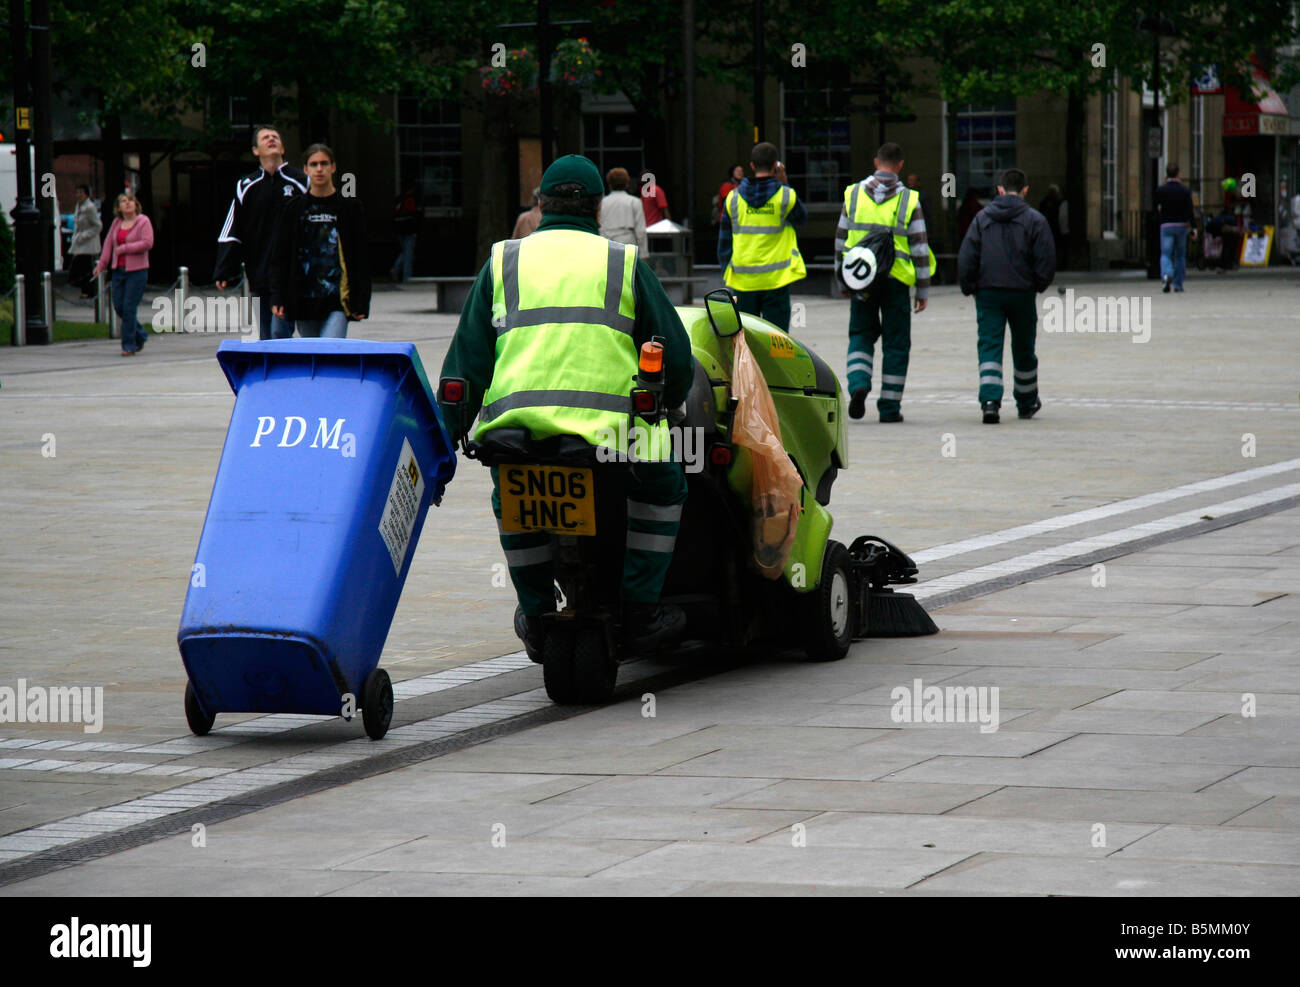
x,y
320,274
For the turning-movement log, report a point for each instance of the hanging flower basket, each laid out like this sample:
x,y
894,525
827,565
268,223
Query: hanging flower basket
x,y
517,77
575,64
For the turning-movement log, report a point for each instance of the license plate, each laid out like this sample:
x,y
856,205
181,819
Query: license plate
x,y
547,498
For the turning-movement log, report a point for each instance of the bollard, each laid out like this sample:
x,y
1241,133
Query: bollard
x,y
246,302
47,290
182,290
20,310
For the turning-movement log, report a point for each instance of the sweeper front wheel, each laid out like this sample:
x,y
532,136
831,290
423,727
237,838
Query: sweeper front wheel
x,y
557,665
199,721
594,669
377,704
828,610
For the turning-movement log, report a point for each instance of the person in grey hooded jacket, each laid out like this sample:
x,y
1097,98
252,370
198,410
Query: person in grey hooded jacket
x,y
1007,256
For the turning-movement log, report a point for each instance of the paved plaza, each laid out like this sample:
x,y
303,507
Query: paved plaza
x,y
1124,571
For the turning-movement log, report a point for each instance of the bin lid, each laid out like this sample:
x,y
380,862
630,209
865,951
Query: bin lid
x,y
231,352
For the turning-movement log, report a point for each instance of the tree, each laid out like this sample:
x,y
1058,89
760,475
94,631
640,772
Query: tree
x,y
988,52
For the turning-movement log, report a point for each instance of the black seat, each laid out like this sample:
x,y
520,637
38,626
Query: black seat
x,y
517,445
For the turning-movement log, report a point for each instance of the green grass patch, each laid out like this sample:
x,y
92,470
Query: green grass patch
x,y
64,330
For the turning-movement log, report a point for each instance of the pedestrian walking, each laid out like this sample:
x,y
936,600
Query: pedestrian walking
x,y
247,236
654,200
1006,258
546,343
758,248
621,217
528,219
406,224
881,204
126,254
85,246
320,271
1175,211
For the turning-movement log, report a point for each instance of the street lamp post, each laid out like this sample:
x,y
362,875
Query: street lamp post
x,y
27,218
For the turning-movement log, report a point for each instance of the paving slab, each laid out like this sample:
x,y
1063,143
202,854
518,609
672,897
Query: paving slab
x,y
1119,878
966,834
1119,704
1214,806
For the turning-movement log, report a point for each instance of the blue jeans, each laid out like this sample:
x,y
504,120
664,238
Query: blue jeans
x,y
405,257
128,289
1173,254
270,326
333,326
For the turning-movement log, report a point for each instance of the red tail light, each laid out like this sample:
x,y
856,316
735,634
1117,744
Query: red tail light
x,y
643,402
453,392
720,455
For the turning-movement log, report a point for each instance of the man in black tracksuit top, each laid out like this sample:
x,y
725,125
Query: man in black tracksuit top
x,y
248,233
1007,256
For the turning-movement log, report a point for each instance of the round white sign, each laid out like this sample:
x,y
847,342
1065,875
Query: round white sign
x,y
859,267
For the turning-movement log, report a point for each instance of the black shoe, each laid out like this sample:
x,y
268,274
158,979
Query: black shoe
x,y
858,403
1030,411
531,631
991,409
891,416
652,625
1168,282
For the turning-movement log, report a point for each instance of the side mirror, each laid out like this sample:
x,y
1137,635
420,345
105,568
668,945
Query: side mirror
x,y
724,312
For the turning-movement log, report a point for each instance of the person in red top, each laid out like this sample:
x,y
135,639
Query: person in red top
x,y
653,199
735,175
126,254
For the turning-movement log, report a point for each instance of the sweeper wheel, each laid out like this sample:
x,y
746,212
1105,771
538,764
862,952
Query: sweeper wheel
x,y
828,613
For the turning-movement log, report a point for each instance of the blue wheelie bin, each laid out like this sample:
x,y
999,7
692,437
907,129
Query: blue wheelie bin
x,y
334,452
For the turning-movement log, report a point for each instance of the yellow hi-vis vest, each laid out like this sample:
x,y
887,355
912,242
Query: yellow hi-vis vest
x,y
764,249
866,216
563,308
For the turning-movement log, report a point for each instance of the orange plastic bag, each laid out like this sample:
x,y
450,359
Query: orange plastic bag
x,y
776,485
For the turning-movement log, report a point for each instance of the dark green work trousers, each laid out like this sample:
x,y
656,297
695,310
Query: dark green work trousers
x,y
772,305
995,309
655,494
887,317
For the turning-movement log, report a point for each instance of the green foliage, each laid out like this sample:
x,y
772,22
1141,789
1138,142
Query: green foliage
x,y
986,52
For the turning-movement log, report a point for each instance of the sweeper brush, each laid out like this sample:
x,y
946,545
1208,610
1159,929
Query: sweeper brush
x,y
881,611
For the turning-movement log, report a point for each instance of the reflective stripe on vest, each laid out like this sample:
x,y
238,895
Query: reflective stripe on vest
x,y
606,315
765,251
563,308
864,216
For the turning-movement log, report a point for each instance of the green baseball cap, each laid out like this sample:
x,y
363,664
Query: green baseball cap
x,y
573,169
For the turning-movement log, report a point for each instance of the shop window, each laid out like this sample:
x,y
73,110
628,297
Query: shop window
x,y
815,141
1110,160
429,153
986,145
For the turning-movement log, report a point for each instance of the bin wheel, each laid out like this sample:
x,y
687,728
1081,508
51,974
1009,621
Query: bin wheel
x,y
557,666
199,721
377,704
828,614
594,668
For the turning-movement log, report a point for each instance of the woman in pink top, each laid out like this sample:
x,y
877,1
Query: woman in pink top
x,y
126,255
